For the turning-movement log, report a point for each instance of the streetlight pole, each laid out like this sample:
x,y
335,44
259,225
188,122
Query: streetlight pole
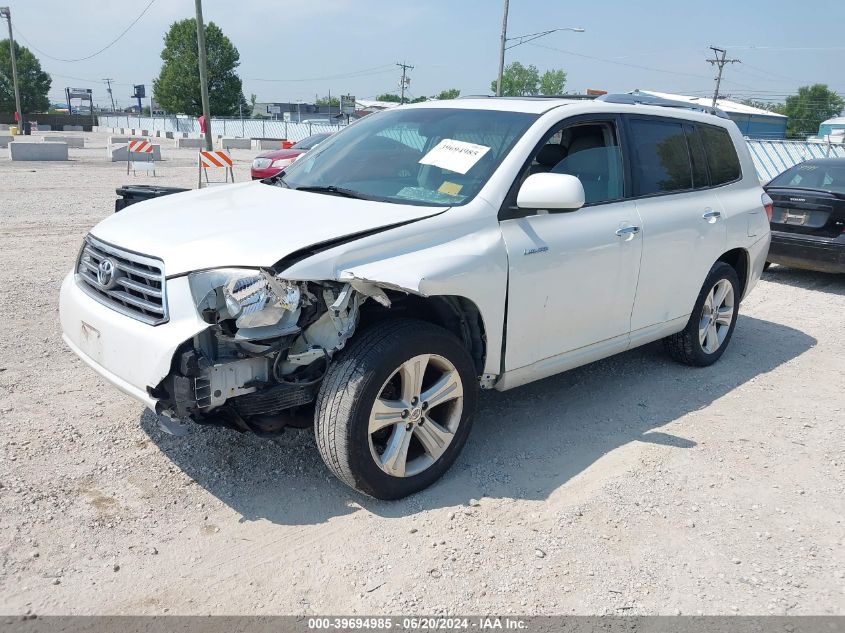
x,y
5,12
502,42
519,40
206,110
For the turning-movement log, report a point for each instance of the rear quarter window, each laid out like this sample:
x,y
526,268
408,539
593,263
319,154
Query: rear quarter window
x,y
721,155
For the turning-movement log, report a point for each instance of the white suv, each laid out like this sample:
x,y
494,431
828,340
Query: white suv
x,y
418,255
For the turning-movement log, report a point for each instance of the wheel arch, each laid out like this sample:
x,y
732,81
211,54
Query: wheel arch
x,y
740,261
459,315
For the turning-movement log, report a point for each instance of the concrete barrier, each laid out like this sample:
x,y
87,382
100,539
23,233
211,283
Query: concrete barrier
x,y
20,150
112,140
268,143
196,143
236,143
43,128
71,128
121,153
4,127
72,141
5,139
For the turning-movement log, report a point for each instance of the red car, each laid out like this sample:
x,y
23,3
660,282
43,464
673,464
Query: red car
x,y
272,162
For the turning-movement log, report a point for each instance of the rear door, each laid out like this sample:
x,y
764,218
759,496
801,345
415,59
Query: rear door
x,y
684,229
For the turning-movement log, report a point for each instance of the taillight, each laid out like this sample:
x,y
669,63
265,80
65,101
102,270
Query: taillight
x,y
768,205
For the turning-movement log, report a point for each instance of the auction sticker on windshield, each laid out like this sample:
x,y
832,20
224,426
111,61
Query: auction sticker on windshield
x,y
456,156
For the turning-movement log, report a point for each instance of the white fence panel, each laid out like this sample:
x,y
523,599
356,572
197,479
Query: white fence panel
x,y
774,157
238,128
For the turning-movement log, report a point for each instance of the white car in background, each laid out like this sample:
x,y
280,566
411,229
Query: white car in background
x,y
425,252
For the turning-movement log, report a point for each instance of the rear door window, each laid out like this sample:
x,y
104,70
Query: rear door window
x,y
661,161
721,155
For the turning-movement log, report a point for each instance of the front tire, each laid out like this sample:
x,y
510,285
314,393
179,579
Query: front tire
x,y
395,408
711,324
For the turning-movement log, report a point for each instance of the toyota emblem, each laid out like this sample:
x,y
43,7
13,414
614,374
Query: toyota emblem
x,y
105,273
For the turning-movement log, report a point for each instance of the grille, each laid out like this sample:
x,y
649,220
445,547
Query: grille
x,y
124,281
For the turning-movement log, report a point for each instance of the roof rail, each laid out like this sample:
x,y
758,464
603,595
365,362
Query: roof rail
x,y
640,98
537,97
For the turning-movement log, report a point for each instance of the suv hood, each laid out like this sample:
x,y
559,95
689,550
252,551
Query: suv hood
x,y
249,224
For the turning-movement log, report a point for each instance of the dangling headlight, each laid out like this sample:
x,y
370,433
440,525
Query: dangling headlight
x,y
253,298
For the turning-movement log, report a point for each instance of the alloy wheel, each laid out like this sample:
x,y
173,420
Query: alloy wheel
x,y
416,415
716,316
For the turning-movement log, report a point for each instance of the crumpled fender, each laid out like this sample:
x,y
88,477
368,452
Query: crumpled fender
x,y
473,266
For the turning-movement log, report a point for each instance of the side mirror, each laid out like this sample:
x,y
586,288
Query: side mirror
x,y
551,191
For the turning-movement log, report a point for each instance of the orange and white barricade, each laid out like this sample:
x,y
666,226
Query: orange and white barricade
x,y
215,159
140,148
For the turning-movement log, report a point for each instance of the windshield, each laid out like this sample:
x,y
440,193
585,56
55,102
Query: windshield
x,y
425,156
822,176
311,141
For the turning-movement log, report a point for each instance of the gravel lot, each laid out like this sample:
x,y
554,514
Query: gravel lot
x,y
630,486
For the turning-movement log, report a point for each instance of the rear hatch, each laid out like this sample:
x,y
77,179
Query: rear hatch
x,y
811,213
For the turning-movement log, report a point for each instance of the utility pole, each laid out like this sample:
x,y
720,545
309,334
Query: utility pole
x,y
720,63
111,96
405,80
502,43
206,110
5,12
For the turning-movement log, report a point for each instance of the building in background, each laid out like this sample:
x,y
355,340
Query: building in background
x,y
752,122
833,130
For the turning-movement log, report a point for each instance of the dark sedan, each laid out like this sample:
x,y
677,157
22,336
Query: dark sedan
x,y
808,218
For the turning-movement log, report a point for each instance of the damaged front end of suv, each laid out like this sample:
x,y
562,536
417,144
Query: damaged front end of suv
x,y
259,364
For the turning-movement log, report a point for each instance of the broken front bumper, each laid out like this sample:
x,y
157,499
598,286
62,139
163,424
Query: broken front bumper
x,y
133,356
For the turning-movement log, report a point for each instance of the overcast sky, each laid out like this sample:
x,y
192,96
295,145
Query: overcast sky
x,y
294,50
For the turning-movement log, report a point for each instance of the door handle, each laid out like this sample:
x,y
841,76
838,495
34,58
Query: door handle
x,y
711,216
628,232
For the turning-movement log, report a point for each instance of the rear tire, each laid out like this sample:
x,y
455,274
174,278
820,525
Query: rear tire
x,y
395,408
711,324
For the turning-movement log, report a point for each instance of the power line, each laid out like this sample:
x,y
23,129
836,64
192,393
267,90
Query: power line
x,y
105,48
752,47
720,62
618,63
376,70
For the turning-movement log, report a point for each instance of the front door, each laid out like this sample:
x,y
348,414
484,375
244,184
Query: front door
x,y
572,275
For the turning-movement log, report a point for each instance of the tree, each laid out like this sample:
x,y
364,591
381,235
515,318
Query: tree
x,y
762,105
451,93
253,98
328,101
33,83
552,82
177,88
807,109
392,98
519,80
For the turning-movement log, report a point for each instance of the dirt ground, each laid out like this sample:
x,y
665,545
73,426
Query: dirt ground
x,y
630,486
